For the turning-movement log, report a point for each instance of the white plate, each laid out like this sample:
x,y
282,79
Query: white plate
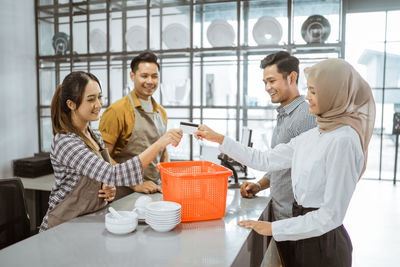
x,y
163,206
136,37
176,36
98,40
220,33
267,30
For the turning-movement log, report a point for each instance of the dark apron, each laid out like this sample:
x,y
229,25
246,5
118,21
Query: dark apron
x,y
148,128
332,249
83,199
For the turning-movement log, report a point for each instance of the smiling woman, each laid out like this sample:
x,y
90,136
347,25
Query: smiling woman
x,y
85,177
326,163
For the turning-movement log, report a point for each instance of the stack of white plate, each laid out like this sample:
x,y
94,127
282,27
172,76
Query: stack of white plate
x,y
163,216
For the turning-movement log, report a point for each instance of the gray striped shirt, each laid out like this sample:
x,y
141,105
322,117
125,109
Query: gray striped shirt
x,y
72,158
292,120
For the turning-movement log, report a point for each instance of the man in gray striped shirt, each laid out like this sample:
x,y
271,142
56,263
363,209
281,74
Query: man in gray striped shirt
x,y
281,71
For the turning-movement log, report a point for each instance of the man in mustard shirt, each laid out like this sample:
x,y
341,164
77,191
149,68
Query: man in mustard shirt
x,y
136,121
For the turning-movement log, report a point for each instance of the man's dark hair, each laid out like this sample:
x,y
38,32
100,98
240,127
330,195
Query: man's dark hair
x,y
144,57
285,63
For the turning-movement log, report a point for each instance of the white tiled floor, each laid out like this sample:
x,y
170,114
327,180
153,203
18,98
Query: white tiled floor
x,y
373,223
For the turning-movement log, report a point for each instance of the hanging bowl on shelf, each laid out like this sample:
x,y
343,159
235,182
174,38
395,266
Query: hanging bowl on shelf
x,y
267,30
315,29
98,40
220,33
176,36
136,37
61,43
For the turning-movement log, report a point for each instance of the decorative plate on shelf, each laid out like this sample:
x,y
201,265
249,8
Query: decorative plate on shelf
x,y
98,40
267,30
315,29
176,36
221,33
136,37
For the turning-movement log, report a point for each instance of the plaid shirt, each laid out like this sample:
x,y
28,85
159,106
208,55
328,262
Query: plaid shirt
x,y
71,158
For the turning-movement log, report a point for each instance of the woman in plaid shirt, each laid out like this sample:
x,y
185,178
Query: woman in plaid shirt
x,y
82,168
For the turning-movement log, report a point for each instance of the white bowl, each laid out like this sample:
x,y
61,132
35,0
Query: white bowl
x,y
163,207
163,228
142,201
124,225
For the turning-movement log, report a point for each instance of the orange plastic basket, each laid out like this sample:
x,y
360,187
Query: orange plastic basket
x,y
199,186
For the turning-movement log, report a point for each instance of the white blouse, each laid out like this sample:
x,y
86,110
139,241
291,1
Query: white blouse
x,y
325,170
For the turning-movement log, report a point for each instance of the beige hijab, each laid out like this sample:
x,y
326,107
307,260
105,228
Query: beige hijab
x,y
344,98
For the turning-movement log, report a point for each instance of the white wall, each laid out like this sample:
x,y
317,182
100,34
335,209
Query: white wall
x,y
18,100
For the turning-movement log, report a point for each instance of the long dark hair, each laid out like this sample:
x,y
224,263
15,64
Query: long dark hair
x,y
72,88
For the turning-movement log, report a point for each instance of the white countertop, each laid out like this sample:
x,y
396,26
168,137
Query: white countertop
x,y
84,241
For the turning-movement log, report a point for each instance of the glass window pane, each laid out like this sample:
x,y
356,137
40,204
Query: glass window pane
x,y
368,60
46,134
365,51
136,30
329,10
117,88
175,77
79,28
215,25
182,114
218,86
391,105
63,28
264,22
98,30
393,22
262,133
47,82
219,113
266,114
175,27
225,127
392,73
116,31
46,33
363,28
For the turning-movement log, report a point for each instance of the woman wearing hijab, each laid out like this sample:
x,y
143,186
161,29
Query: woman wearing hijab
x,y
326,163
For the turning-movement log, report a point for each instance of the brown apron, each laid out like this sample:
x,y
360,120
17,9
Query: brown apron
x,y
81,200
148,128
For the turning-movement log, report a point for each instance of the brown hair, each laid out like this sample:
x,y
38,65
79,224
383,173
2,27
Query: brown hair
x,y
146,56
285,63
72,88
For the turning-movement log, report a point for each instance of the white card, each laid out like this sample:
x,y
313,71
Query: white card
x,y
188,128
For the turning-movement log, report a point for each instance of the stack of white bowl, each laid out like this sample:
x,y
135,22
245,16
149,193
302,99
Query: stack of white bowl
x,y
163,216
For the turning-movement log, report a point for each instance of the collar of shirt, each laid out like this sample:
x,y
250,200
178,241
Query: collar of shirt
x,y
286,110
137,103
